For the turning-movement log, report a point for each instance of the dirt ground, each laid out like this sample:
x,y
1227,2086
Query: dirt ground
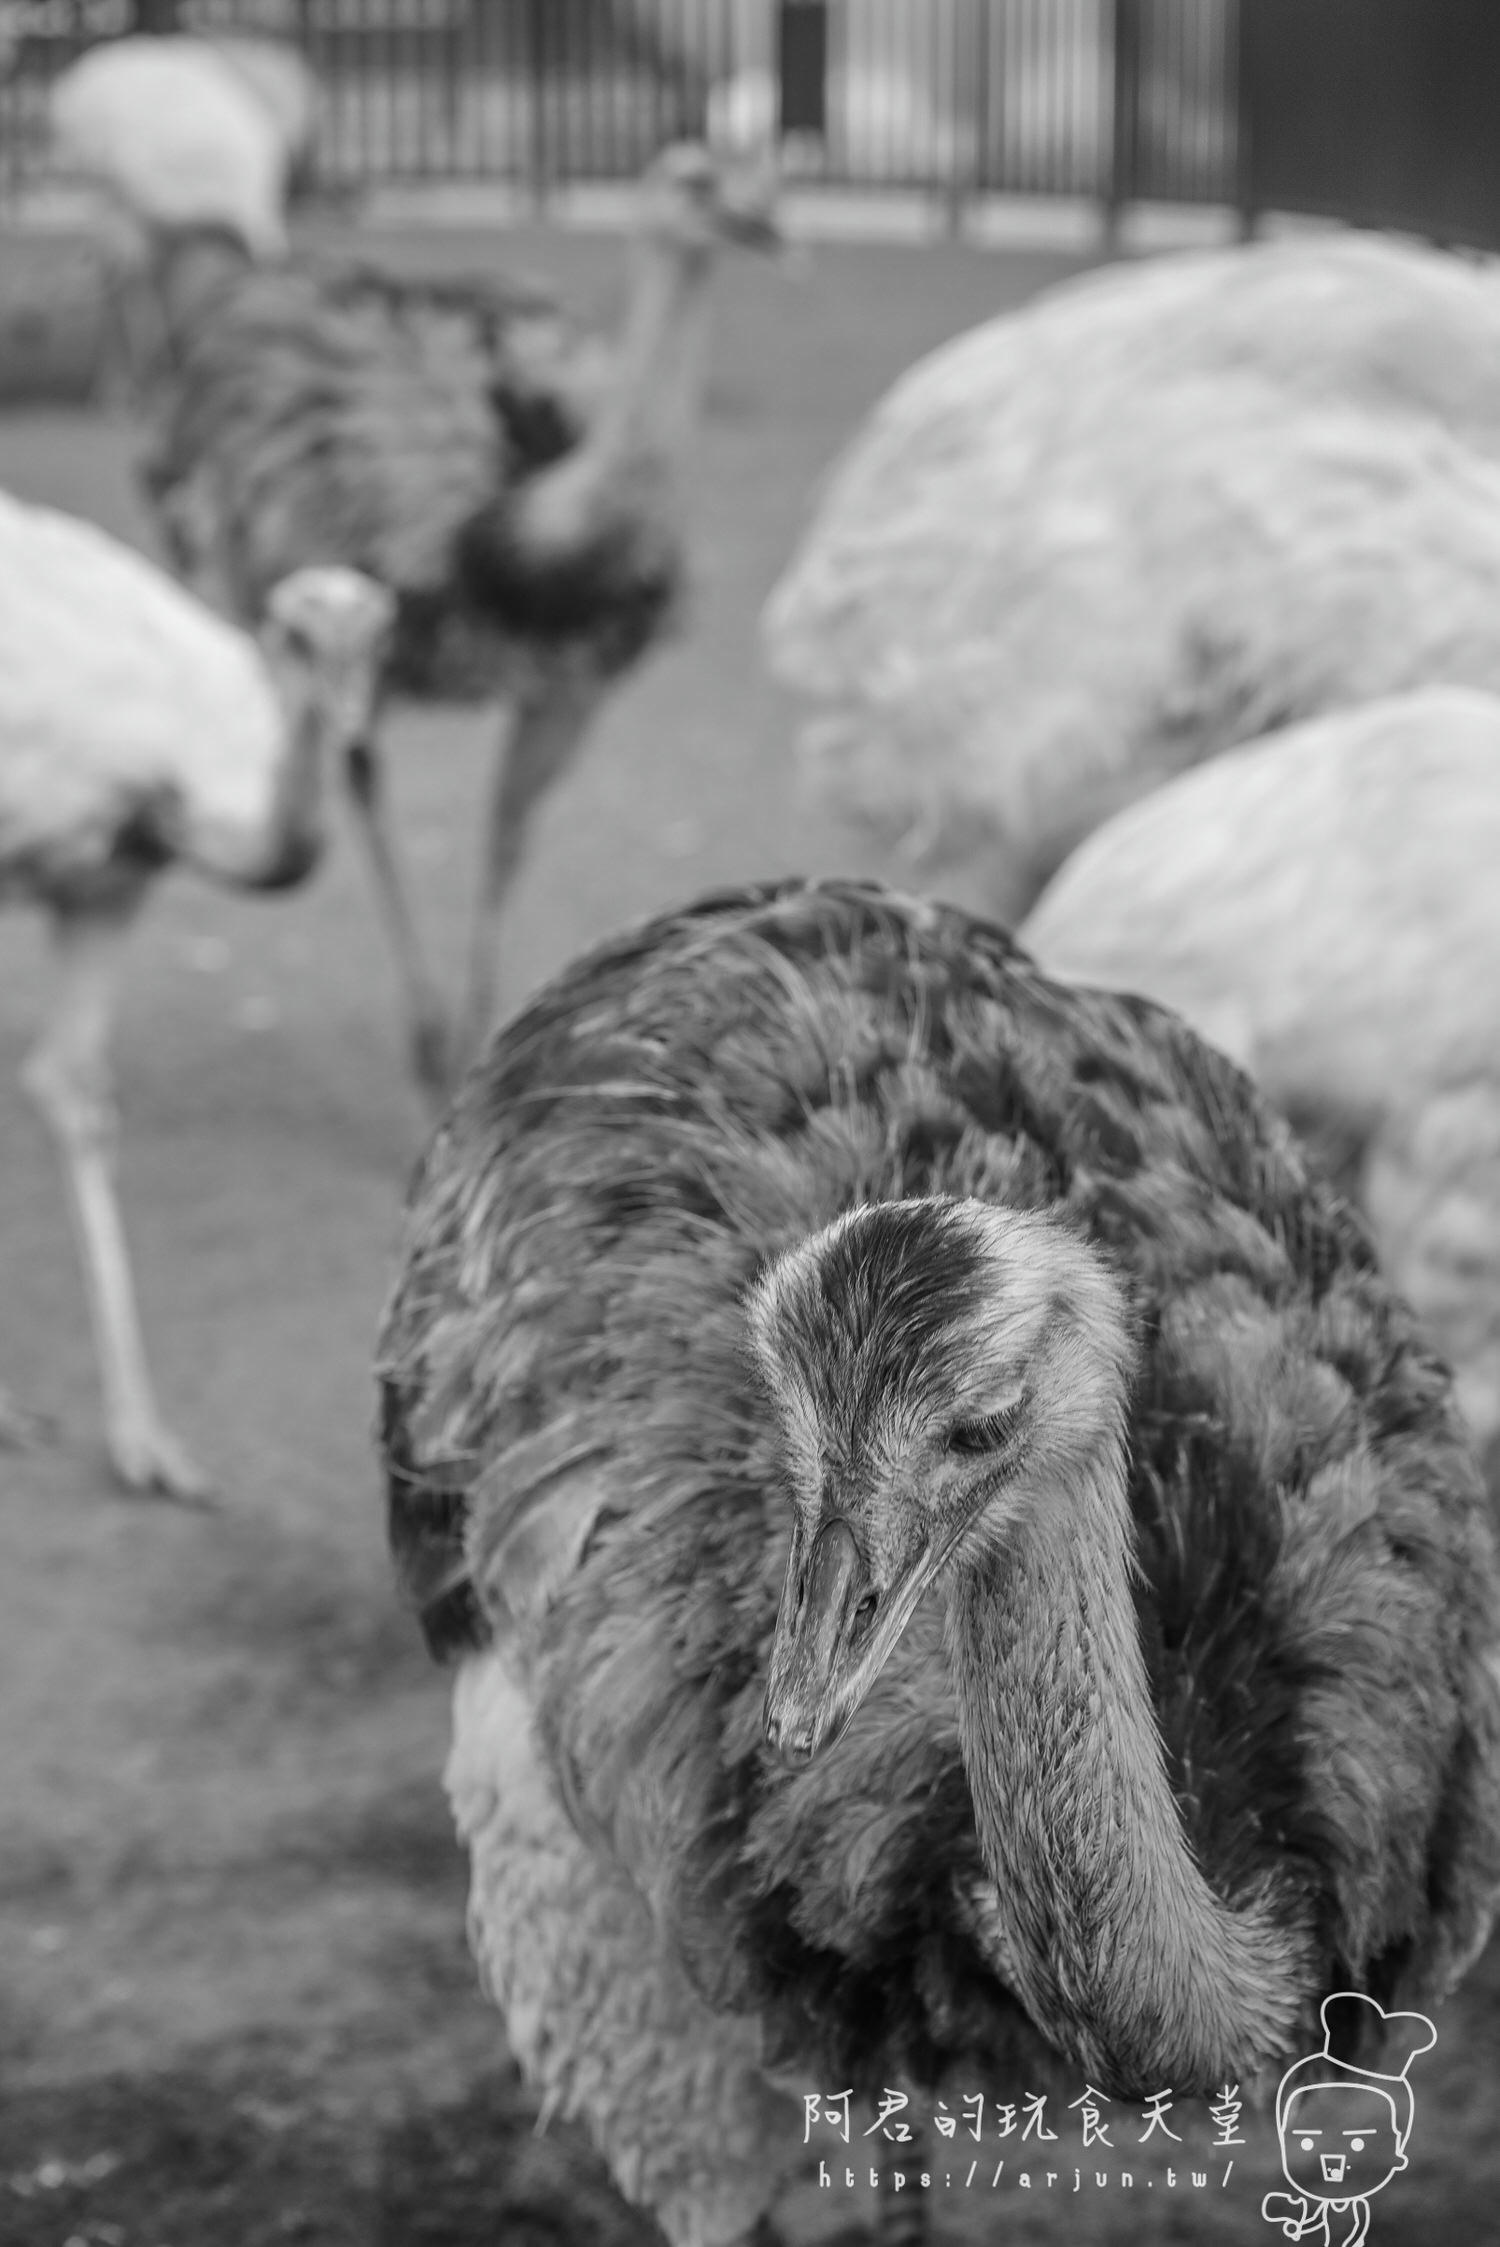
x,y
238,2003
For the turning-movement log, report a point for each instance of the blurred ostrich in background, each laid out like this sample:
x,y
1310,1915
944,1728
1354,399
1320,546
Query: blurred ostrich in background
x,y
182,133
813,1239
138,730
1163,509
1323,905
513,483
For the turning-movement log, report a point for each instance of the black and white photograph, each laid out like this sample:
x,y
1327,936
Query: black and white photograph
x,y
749,1123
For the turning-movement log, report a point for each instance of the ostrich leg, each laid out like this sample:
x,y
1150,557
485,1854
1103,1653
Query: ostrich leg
x,y
426,1028
68,1076
549,722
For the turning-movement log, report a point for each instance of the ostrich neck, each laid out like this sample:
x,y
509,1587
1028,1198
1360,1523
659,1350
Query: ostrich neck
x,y
279,843
613,477
1124,1955
190,268
655,399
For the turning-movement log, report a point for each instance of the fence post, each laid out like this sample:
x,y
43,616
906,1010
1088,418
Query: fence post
x,y
538,57
964,178
1239,46
802,65
984,62
1126,74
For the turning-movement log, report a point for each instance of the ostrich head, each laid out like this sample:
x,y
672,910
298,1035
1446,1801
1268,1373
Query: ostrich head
x,y
690,202
941,1371
324,637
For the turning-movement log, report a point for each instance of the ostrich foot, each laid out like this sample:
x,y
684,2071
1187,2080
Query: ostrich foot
x,y
148,1458
22,1430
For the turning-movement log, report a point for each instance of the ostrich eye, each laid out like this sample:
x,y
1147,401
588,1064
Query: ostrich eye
x,y
299,640
973,1438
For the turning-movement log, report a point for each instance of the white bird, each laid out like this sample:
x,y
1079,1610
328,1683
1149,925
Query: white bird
x,y
280,75
188,133
1323,906
137,728
1162,510
177,134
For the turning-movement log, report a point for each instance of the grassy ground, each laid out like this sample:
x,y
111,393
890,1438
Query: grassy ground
x,y
238,2002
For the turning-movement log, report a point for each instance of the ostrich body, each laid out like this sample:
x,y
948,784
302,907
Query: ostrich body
x,y
1322,905
515,490
1164,509
1019,1295
178,134
137,730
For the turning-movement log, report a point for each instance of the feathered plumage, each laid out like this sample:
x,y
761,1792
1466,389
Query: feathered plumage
x,y
138,729
711,1229
1322,905
1163,509
132,721
189,131
513,486
325,409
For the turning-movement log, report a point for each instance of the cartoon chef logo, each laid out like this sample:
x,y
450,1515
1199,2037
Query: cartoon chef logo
x,y
1343,2128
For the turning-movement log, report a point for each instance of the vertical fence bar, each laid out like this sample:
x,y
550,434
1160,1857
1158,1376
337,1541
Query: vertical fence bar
x,y
390,34
1124,112
414,53
1116,99
456,47
571,86
982,53
538,51
1247,202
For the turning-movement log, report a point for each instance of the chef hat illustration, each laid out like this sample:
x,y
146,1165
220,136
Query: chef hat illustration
x,y
1357,2024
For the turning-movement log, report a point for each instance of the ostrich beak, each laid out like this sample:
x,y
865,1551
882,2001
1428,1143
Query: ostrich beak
x,y
835,1632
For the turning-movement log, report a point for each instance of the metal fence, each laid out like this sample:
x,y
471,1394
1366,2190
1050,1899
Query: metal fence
x,y
1111,99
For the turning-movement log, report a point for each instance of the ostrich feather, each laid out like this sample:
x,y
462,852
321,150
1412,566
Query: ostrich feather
x,y
322,410
1322,905
1161,510
127,710
189,131
1316,1584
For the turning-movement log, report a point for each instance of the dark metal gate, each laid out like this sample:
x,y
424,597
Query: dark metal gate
x,y
1383,112
1108,99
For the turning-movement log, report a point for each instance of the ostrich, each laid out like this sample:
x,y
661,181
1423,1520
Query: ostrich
x,y
514,489
282,79
1322,906
182,133
137,729
191,131
1164,509
813,1238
